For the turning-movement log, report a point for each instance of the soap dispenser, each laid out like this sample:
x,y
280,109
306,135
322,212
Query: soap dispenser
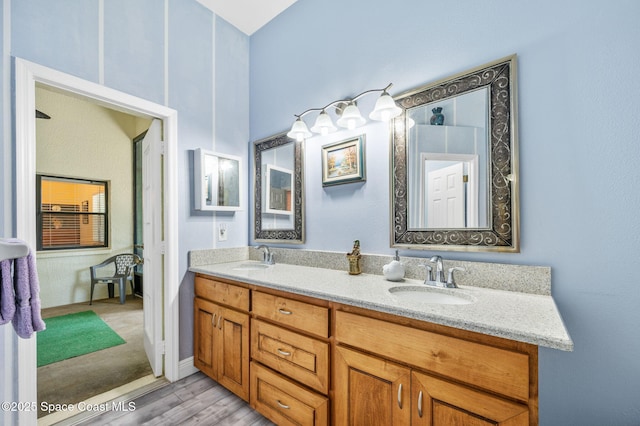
x,y
394,271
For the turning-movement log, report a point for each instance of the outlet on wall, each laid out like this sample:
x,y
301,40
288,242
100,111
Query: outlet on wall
x,y
222,232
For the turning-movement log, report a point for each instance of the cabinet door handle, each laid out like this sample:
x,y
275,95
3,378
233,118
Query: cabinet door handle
x,y
284,311
420,404
220,322
284,353
213,320
286,407
400,396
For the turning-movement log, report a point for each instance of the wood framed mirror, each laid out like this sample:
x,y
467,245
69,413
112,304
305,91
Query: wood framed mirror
x,y
454,162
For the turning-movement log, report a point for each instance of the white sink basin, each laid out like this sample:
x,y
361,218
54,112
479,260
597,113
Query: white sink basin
x,y
425,294
251,267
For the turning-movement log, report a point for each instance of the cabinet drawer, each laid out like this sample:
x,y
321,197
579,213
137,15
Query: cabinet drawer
x,y
219,292
285,402
303,316
299,357
491,368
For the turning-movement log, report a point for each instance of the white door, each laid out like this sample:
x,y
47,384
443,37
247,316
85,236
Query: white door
x,y
445,197
152,213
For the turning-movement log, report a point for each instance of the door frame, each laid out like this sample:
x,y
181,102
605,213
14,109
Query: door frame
x,y
27,75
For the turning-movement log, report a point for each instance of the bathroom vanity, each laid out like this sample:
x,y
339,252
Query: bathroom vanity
x,y
318,346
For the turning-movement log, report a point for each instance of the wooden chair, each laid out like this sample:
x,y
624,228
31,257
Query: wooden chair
x,y
123,265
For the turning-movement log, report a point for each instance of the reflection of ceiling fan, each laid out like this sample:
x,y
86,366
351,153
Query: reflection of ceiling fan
x,y
40,114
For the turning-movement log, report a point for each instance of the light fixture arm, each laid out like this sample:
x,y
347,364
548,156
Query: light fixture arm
x,y
349,113
372,90
343,101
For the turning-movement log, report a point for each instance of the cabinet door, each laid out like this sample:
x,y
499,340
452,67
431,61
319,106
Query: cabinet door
x,y
437,402
233,348
204,327
370,391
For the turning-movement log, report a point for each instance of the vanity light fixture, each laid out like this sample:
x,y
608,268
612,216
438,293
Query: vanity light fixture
x,y
350,117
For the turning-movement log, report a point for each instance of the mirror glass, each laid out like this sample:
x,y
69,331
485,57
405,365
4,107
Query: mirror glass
x,y
278,190
447,157
278,187
217,179
454,159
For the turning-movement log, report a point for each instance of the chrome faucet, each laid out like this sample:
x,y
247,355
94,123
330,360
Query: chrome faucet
x,y
439,273
267,256
436,277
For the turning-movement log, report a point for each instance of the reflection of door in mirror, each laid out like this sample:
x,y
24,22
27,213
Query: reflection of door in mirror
x,y
279,189
448,192
457,198
278,186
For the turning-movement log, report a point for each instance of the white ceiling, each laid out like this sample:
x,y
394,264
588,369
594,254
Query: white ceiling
x,y
247,15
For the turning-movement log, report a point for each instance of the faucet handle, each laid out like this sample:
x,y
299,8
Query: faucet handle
x,y
429,276
451,282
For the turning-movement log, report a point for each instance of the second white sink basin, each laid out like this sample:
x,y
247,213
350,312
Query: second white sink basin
x,y
251,266
434,295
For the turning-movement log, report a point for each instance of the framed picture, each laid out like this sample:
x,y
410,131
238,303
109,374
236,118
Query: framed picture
x,y
343,162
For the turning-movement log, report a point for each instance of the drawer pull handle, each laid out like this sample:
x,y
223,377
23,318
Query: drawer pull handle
x,y
400,396
286,407
284,353
420,404
284,311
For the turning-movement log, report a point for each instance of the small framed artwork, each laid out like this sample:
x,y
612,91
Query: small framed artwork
x,y
343,162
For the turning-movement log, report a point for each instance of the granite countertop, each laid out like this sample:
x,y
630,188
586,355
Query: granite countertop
x,y
529,318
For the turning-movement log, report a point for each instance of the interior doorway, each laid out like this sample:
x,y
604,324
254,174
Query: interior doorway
x,y
98,144
165,343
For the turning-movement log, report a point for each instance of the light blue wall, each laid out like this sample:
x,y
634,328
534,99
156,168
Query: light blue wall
x,y
174,53
578,125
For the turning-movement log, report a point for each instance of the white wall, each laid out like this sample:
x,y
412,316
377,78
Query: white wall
x,y
84,140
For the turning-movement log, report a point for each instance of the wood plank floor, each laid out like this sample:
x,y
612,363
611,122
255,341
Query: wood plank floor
x,y
193,400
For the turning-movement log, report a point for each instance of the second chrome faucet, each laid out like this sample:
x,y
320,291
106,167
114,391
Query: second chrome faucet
x,y
267,256
436,277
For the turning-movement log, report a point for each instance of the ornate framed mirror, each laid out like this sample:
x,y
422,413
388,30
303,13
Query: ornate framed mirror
x,y
454,162
278,190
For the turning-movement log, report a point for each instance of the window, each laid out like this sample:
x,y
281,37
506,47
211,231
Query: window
x,y
71,213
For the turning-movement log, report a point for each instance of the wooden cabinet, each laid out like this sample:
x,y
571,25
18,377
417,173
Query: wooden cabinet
x,y
439,402
289,337
303,361
221,337
302,316
297,356
372,391
284,401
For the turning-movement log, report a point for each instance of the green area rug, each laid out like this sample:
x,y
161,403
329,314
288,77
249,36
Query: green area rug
x,y
72,335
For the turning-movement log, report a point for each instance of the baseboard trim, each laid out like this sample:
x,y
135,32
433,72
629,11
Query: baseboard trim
x,y
186,368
